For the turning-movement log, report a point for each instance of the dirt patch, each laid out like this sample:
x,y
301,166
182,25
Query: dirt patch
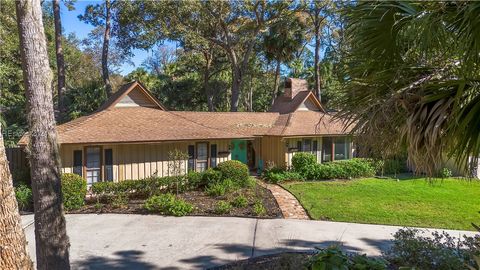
x,y
204,204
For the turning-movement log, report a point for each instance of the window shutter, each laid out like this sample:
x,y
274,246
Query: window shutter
x,y
108,165
213,155
191,157
299,146
77,162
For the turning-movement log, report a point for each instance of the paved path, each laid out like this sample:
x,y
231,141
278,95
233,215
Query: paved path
x,y
290,206
114,241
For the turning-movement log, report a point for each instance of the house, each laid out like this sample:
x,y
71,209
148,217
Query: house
x,y
132,134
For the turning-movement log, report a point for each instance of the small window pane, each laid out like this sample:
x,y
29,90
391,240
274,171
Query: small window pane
x,y
340,149
307,145
77,162
202,151
191,157
327,149
213,155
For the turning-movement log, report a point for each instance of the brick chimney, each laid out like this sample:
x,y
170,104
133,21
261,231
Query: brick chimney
x,y
293,86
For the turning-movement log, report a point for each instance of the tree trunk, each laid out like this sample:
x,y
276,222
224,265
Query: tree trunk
x,y
60,62
277,82
317,59
106,44
13,245
236,87
206,78
51,238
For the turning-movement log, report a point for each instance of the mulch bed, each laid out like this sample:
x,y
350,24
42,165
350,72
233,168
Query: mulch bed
x,y
281,261
204,204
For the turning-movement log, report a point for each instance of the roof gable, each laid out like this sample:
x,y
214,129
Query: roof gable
x,y
302,101
132,94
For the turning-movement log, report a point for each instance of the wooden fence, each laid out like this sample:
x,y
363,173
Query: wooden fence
x,y
17,160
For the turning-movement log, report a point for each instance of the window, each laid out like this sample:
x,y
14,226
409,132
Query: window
x,y
341,146
314,146
213,155
108,165
299,146
202,157
191,157
307,145
327,149
93,166
77,162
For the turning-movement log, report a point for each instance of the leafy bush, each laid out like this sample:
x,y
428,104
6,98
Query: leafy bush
x,y
74,190
278,176
223,207
234,170
412,249
24,196
119,200
259,209
240,201
300,161
211,176
343,169
221,188
335,258
194,180
168,204
446,173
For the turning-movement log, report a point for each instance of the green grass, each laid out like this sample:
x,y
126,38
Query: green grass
x,y
447,204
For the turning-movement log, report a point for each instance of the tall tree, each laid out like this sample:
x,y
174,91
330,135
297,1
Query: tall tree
x,y
60,61
283,39
101,15
13,245
51,238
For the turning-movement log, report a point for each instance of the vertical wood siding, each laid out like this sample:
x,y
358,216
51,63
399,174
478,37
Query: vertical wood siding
x,y
138,161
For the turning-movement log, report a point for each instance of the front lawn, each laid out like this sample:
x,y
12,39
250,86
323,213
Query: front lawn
x,y
448,204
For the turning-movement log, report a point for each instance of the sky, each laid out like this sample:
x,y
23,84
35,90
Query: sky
x,y
71,24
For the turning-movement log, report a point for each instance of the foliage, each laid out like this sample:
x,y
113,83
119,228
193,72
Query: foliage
x,y
119,200
24,196
409,201
236,171
176,165
412,80
300,161
74,190
411,248
259,209
446,173
240,201
168,204
223,207
342,169
278,175
211,176
221,188
335,258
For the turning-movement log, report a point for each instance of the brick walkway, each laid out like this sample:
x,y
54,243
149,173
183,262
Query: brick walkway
x,y
291,208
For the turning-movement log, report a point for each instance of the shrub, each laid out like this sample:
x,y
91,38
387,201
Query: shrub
x,y
221,188
211,176
119,200
259,209
412,249
194,180
446,173
278,176
334,258
223,207
240,201
234,170
74,190
344,169
168,204
300,161
24,196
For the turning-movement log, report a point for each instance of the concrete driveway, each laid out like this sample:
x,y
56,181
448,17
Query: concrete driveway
x,y
112,241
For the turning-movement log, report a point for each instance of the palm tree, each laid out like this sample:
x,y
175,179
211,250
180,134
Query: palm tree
x,y
413,79
282,41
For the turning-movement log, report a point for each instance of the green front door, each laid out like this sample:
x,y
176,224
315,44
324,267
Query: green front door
x,y
239,150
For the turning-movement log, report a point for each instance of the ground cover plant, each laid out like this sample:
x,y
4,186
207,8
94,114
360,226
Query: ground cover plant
x,y
226,190
448,203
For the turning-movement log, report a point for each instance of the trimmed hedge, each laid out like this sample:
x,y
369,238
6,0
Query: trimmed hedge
x,y
343,169
235,171
301,161
74,190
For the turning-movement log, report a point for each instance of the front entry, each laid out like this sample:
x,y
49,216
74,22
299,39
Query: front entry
x,y
239,150
250,155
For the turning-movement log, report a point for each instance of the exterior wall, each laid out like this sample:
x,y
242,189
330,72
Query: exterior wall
x,y
137,161
273,150
308,105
